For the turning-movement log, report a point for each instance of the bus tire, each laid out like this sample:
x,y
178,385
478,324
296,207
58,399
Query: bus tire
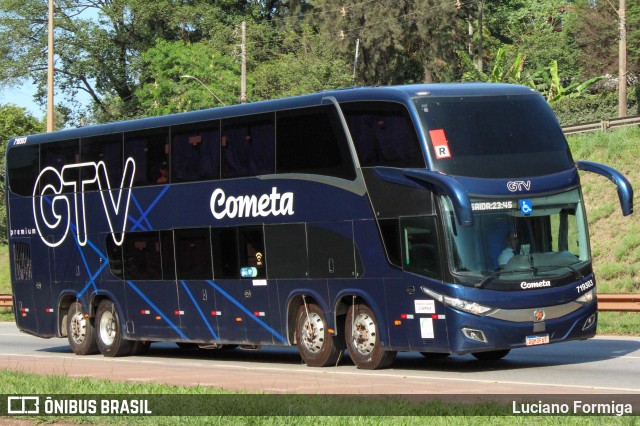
x,y
111,342
80,331
491,355
316,345
363,340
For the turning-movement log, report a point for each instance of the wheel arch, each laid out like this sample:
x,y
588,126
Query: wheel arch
x,y
295,300
345,298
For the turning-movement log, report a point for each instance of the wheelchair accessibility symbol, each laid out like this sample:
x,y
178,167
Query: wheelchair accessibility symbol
x,y
526,207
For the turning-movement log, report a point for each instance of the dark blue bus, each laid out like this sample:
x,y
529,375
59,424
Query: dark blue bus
x,y
441,219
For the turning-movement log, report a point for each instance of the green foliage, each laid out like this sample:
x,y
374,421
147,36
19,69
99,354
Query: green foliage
x,y
535,29
500,73
112,51
181,77
554,89
5,272
302,53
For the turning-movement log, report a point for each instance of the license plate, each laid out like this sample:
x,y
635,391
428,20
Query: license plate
x,y
537,340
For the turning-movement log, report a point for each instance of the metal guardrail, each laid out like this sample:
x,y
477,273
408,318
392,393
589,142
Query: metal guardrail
x,y
602,125
6,302
619,302
606,302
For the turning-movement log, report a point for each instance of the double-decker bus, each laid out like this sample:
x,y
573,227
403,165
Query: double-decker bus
x,y
441,219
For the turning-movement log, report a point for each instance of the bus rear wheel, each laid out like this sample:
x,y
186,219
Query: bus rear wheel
x,y
317,346
80,331
491,355
363,340
111,342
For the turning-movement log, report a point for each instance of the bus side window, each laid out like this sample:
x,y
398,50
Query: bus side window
x,y
383,134
24,166
252,254
114,254
195,152
225,252
106,149
420,246
141,252
248,146
193,254
57,156
390,230
312,140
150,151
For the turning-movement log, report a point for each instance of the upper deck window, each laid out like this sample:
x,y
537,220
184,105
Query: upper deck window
x,y
195,152
150,150
494,136
311,140
23,166
248,146
383,134
106,149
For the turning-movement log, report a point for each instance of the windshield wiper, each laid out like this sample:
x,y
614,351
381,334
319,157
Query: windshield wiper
x,y
499,272
577,273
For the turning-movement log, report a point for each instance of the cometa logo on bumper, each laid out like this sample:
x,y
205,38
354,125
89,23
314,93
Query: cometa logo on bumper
x,y
273,204
538,284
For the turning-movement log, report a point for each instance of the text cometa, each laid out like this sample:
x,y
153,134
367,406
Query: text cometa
x,y
272,204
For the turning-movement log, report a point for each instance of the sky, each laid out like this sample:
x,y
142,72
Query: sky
x,y
22,96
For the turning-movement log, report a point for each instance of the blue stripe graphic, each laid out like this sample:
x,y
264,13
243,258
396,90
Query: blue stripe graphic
x,y
136,223
250,314
164,317
204,318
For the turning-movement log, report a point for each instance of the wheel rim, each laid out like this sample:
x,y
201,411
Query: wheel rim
x,y
364,334
313,333
78,327
108,328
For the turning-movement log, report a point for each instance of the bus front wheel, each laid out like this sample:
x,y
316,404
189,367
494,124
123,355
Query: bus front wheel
x,y
317,346
111,342
80,331
363,340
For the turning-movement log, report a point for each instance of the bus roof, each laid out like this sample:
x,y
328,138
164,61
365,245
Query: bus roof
x,y
389,93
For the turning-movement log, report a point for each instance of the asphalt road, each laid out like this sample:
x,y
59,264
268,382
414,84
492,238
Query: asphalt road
x,y
604,365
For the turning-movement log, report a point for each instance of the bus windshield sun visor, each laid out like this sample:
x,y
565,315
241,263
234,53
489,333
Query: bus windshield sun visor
x,y
625,190
451,187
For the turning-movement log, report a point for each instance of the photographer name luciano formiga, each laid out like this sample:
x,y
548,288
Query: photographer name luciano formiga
x,y
578,407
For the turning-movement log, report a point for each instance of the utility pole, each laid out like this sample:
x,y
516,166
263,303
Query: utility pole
x,y
622,60
243,54
50,117
479,64
355,61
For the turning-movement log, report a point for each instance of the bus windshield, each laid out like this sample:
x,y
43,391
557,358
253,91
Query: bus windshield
x,y
493,136
512,239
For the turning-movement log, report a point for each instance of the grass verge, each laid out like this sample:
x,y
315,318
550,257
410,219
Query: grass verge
x,y
388,410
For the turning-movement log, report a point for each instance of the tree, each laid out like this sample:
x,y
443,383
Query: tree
x,y
99,43
305,64
401,41
14,121
179,77
539,30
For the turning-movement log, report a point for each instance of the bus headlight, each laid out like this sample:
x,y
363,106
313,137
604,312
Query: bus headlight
x,y
459,304
587,297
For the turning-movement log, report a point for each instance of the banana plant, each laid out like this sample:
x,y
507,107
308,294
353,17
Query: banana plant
x,y
553,85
